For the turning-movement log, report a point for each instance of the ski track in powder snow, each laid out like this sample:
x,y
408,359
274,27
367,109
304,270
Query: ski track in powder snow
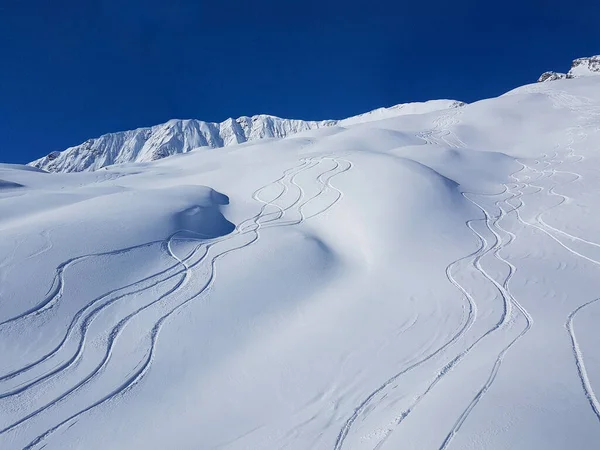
x,y
566,101
442,132
250,226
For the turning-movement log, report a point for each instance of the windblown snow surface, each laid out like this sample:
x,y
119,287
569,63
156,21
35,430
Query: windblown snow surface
x,y
425,281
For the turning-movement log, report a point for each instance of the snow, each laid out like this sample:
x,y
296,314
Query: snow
x,y
401,109
415,281
585,67
580,67
182,136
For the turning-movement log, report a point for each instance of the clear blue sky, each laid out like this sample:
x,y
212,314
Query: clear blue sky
x,y
75,69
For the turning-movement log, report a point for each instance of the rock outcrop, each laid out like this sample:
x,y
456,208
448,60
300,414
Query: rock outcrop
x,y
580,67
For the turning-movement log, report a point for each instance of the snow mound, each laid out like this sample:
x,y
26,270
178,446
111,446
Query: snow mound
x,y
205,220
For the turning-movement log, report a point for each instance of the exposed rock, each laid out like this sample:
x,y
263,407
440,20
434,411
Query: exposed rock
x,y
581,67
585,67
551,76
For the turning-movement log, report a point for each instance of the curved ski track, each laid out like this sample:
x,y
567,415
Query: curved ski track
x,y
183,269
578,355
441,134
571,102
433,137
575,104
451,140
567,101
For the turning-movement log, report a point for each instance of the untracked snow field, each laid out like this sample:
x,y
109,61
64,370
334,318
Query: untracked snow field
x,y
425,281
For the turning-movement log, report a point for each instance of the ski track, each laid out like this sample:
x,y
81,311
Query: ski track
x,y
509,301
478,255
183,269
507,304
529,320
580,365
93,313
360,409
89,318
56,288
122,323
471,312
441,134
85,324
568,102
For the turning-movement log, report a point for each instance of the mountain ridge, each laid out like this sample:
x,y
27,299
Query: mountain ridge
x,y
183,135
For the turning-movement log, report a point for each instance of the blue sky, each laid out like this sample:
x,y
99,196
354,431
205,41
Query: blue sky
x,y
75,69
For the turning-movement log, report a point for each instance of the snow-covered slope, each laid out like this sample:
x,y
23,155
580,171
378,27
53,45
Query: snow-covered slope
x,y
401,109
182,136
424,281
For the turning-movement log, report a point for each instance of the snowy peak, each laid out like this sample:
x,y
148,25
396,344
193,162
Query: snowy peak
x,y
585,67
580,67
174,136
182,136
